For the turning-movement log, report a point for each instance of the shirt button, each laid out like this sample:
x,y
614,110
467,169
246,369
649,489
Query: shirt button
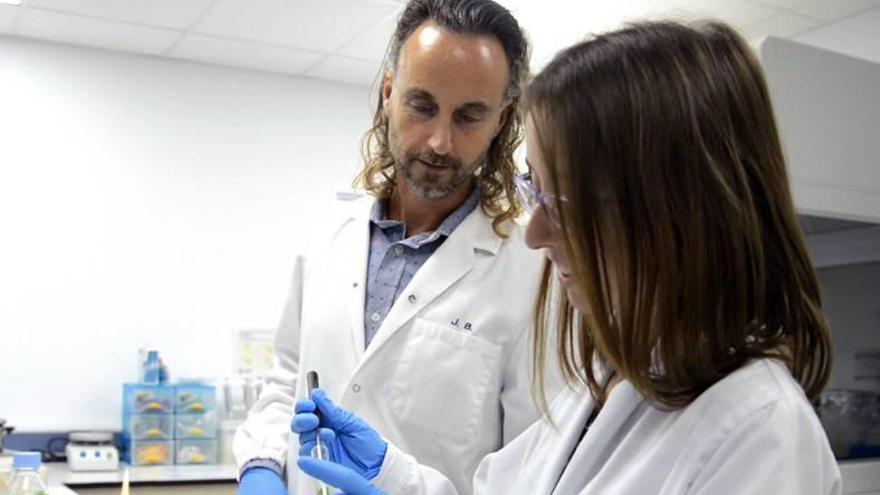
x,y
375,317
398,250
355,388
412,298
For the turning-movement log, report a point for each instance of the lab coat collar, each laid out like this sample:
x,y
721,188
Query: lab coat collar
x,y
589,454
449,263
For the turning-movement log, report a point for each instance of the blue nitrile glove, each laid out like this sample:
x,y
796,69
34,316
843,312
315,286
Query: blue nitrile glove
x,y
344,478
261,481
351,441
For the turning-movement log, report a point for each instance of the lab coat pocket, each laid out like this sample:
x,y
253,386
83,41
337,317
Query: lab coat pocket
x,y
443,378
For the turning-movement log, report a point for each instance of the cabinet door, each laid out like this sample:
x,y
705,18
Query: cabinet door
x,y
828,109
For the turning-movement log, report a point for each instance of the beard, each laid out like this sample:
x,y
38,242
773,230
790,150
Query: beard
x,y
433,184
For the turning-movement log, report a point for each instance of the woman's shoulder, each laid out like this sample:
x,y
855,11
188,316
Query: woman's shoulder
x,y
762,388
758,419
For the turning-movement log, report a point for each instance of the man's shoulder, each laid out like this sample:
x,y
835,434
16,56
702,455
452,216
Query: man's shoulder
x,y
513,242
337,219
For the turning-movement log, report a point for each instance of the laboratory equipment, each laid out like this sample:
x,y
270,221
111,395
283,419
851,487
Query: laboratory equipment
x,y
147,399
150,452
851,419
148,426
125,479
195,425
319,451
5,471
25,475
191,451
4,430
91,451
193,398
5,459
150,369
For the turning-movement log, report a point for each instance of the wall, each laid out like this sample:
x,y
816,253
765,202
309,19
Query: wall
x,y
149,201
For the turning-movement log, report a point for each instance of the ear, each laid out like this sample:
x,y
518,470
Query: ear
x,y
387,82
506,112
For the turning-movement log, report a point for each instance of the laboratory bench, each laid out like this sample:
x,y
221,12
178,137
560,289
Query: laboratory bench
x,y
145,480
860,477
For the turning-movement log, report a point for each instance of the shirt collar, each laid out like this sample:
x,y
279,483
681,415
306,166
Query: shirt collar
x,y
449,224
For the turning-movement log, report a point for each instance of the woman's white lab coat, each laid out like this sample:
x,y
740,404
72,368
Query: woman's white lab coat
x,y
752,433
446,376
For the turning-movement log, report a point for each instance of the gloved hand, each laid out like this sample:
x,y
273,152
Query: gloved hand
x,y
351,442
261,481
344,478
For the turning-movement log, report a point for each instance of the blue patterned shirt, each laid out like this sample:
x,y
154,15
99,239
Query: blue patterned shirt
x,y
394,260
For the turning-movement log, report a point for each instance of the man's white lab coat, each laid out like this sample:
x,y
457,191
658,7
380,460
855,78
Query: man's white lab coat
x,y
447,375
751,433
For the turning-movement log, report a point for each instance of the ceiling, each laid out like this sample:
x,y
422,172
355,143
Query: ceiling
x,y
345,40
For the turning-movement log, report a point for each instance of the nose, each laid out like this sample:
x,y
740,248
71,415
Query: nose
x,y
440,140
539,231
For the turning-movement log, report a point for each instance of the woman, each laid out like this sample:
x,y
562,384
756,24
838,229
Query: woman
x,y
690,331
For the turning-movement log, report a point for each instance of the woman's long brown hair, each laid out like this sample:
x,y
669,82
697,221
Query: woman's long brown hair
x,y
679,222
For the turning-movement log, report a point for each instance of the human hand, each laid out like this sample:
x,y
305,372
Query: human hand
x,y
261,481
350,441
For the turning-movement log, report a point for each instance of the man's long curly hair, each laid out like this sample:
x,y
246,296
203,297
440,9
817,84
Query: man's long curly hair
x,y
495,179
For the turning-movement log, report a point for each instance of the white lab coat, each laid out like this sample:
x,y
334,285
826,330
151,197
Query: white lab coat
x,y
751,433
447,375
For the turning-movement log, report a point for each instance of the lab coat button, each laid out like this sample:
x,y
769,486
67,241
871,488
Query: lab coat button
x,y
355,388
411,298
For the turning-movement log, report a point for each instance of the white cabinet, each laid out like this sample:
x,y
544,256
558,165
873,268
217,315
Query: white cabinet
x,y
828,109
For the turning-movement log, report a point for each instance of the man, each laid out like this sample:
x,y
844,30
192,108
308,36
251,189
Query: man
x,y
416,313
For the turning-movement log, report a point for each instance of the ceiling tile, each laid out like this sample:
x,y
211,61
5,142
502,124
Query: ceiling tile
x,y
550,33
7,17
346,70
739,13
782,25
372,43
858,36
64,28
310,24
243,54
785,4
837,9
178,14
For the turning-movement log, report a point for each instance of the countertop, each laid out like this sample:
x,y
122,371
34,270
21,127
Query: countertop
x,y
63,481
860,477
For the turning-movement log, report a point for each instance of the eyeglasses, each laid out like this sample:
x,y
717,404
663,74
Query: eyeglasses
x,y
531,197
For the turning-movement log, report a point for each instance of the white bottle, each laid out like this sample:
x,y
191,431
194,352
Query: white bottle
x,y
25,475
